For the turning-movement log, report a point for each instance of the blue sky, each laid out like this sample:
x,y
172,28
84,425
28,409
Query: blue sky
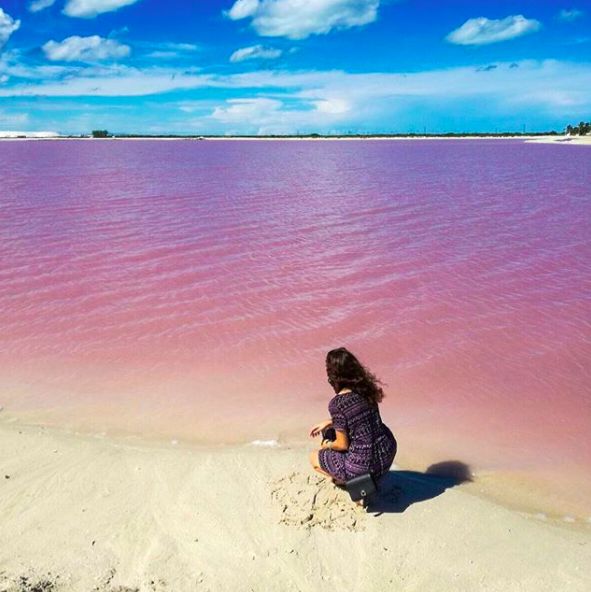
x,y
289,66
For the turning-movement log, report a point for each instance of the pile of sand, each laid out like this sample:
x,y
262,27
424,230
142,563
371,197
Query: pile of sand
x,y
313,501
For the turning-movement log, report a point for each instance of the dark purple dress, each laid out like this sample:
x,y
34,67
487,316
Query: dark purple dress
x,y
372,446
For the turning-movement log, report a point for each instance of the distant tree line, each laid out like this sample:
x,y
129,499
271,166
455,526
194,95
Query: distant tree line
x,y
105,134
582,129
579,130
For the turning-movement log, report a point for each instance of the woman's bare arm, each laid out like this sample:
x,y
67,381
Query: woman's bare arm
x,y
341,443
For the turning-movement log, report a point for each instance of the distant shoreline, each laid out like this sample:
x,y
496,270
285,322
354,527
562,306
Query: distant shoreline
x,y
530,138
576,140
526,137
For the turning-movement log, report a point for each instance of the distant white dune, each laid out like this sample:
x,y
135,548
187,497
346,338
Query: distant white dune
x,y
13,134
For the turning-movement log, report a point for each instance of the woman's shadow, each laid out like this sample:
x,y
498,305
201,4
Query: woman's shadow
x,y
397,490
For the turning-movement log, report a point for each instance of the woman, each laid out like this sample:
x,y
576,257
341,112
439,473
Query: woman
x,y
363,444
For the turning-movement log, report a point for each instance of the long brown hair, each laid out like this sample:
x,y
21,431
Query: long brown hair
x,y
344,370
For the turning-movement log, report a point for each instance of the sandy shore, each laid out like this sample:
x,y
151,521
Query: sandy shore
x,y
572,140
82,513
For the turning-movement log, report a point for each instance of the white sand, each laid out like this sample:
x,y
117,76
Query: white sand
x,y
83,513
572,140
11,134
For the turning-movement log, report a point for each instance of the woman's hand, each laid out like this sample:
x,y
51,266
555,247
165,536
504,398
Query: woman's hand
x,y
315,431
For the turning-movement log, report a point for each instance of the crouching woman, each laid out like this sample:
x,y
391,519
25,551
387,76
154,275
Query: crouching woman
x,y
363,443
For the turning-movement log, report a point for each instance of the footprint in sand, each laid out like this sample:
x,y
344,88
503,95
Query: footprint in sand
x,y
306,501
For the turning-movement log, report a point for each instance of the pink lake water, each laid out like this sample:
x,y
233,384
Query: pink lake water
x,y
192,289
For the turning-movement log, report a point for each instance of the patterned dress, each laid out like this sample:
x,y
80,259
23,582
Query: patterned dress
x,y
372,446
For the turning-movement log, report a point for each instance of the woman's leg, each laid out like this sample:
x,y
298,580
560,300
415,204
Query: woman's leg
x,y
316,463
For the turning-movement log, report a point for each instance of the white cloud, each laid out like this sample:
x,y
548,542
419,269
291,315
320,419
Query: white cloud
x,y
481,31
335,100
255,52
12,66
283,102
85,49
178,46
279,101
166,50
332,106
570,15
505,85
10,119
298,19
264,116
236,110
159,54
8,26
37,5
243,8
92,8
111,81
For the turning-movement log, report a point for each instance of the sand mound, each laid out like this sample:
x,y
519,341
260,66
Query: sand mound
x,y
307,501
